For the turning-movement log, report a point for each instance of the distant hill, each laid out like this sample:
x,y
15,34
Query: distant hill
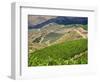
x,y
39,22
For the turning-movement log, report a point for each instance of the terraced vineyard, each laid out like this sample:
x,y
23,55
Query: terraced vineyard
x,y
57,40
60,54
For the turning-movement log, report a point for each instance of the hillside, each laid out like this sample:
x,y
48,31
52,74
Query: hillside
x,y
53,34
61,53
57,40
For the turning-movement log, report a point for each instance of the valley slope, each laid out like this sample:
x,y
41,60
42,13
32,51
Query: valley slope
x,y
57,41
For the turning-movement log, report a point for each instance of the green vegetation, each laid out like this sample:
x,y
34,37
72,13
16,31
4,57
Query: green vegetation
x,y
80,59
52,37
85,27
60,54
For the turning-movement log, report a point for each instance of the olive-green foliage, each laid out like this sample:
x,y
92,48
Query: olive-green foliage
x,y
85,27
79,60
58,54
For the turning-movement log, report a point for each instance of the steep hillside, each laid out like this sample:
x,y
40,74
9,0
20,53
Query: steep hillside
x,y
57,40
54,34
58,54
